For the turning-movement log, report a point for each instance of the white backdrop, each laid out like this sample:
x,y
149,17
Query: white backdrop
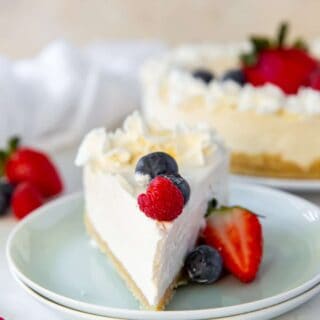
x,y
53,99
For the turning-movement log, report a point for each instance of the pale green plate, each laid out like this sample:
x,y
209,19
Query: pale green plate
x,y
51,253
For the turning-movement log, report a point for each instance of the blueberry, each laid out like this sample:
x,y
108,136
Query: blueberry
x,y
155,164
6,190
204,265
181,183
236,75
204,75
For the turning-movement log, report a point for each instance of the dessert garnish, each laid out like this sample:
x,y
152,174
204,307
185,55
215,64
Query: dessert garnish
x,y
29,177
181,183
204,75
288,66
204,265
167,191
314,79
236,75
155,164
163,201
237,234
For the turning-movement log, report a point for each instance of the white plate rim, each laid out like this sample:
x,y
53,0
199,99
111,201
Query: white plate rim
x,y
168,315
276,310
302,185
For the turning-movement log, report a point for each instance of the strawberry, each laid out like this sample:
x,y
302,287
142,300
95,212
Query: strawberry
x,y
237,234
26,198
26,164
287,67
314,79
163,200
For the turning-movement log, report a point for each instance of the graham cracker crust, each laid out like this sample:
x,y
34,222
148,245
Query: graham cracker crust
x,y
272,166
137,293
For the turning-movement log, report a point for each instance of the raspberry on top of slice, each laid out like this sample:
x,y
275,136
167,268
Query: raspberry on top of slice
x,y
167,192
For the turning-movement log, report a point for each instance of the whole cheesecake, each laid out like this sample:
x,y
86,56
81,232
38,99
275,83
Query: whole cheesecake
x,y
261,96
130,221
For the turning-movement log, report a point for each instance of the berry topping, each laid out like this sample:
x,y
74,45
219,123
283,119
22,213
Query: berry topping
x,y
6,190
204,265
26,164
181,183
26,198
156,163
273,61
204,75
235,75
163,201
237,234
314,79
213,204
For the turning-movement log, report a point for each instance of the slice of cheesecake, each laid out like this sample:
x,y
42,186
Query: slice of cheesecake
x,y
149,254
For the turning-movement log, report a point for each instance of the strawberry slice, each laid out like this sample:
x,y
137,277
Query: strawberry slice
x,y
237,234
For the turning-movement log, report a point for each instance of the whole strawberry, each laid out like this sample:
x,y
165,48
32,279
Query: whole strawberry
x,y
273,61
23,164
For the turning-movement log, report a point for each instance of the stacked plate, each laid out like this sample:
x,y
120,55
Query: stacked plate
x,y
52,258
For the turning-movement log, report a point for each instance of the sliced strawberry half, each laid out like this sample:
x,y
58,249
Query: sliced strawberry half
x,y
237,234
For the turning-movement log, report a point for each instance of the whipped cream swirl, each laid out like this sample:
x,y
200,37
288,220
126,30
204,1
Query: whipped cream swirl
x,y
170,78
120,150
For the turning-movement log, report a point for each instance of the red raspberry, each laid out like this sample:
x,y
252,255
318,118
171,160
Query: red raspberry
x,y
163,201
314,79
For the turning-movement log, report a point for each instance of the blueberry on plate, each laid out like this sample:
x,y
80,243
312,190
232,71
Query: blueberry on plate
x,y
6,190
205,75
181,183
235,75
155,164
204,265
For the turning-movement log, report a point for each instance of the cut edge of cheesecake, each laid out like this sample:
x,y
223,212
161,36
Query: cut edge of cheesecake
x,y
137,293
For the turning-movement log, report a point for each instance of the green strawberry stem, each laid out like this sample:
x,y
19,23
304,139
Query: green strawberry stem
x,y
282,34
12,146
300,44
223,209
260,44
212,205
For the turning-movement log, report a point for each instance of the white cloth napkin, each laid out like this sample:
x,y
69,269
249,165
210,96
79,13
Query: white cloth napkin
x,y
53,99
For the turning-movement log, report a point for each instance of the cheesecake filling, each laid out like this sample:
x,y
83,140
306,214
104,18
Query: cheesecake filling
x,y
152,252
252,120
169,79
